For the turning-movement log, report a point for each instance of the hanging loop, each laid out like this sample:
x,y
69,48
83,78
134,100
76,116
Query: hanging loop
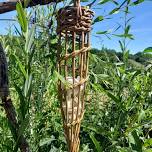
x,y
77,3
79,10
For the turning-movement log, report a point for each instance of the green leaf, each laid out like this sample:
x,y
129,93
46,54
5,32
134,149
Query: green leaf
x,y
103,1
46,141
102,32
22,100
96,143
137,2
137,143
141,115
115,2
148,50
24,125
21,66
113,97
21,131
28,85
129,36
114,11
148,142
148,150
103,76
121,45
21,15
134,75
62,79
30,39
127,29
98,19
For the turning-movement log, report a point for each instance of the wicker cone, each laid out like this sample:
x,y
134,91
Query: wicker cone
x,y
74,25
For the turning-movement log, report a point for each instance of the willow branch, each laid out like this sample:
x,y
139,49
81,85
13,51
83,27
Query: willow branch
x,y
8,105
12,118
11,4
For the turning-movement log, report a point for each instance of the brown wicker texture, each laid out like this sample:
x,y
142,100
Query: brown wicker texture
x,y
74,25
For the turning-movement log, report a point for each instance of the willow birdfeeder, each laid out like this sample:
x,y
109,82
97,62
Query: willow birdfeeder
x,y
73,28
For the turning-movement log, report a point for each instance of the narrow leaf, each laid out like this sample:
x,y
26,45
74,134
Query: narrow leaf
x,y
96,143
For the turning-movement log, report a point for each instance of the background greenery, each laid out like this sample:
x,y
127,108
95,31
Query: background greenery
x,y
118,115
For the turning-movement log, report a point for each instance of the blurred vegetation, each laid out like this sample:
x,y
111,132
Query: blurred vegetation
x,y
139,58
118,115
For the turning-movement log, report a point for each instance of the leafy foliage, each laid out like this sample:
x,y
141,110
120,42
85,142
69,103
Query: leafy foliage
x,y
118,103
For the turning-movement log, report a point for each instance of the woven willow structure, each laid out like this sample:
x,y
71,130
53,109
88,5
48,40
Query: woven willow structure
x,y
73,28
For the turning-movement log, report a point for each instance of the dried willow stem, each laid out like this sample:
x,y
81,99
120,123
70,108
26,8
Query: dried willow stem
x,y
4,91
12,118
11,4
8,105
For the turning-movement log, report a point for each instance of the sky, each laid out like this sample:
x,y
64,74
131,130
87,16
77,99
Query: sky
x,y
141,26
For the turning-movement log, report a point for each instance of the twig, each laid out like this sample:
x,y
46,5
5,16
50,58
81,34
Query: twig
x,y
11,5
8,105
11,116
